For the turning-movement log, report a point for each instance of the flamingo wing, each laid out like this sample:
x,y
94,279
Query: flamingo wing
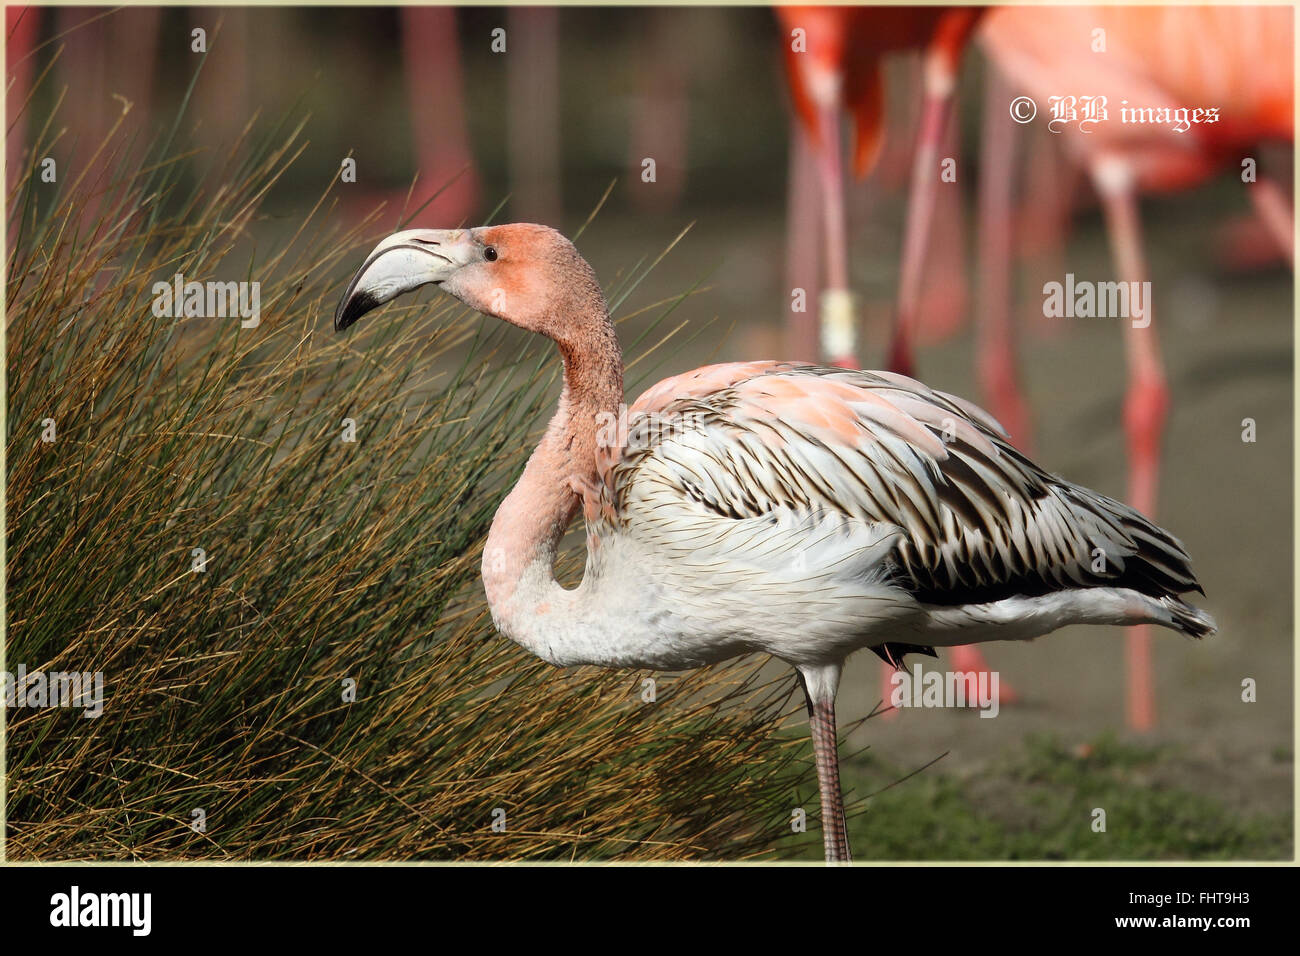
x,y
973,520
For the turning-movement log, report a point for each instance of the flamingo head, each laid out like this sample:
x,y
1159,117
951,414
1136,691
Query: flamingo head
x,y
525,274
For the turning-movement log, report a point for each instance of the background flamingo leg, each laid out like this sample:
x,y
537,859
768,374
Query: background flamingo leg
x,y
1145,407
996,358
22,30
935,112
1274,208
942,62
431,55
838,325
803,250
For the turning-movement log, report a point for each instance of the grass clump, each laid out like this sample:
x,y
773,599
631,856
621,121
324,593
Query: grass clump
x,y
330,568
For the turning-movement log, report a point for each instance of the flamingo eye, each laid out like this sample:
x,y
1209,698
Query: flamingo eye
x,y
490,254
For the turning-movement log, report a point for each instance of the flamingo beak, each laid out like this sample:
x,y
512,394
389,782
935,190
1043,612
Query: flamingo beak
x,y
403,262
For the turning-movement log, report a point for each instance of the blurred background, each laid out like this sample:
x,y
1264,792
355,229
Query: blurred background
x,y
708,118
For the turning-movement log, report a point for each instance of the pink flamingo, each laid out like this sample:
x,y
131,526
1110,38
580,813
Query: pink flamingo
x,y
797,510
1236,61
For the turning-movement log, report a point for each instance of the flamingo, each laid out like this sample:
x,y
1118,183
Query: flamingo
x,y
792,509
1236,60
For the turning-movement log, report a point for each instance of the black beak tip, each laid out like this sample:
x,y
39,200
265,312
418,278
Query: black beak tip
x,y
352,308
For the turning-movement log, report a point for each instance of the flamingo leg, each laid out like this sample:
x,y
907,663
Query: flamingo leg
x,y
996,334
838,327
1145,406
802,251
1275,210
22,30
431,54
995,329
916,231
820,685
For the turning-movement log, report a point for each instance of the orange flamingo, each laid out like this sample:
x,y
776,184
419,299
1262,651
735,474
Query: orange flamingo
x,y
833,60
1235,61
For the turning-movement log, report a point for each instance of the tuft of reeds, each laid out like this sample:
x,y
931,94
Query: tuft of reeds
x,y
321,680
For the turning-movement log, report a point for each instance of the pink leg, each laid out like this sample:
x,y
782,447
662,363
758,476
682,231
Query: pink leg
x,y
835,834
936,108
802,253
1145,406
431,58
819,684
945,303
22,29
838,326
1043,220
1275,210
996,344
887,690
106,60
968,659
837,320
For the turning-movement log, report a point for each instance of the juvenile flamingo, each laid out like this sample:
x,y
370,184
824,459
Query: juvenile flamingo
x,y
797,510
1238,61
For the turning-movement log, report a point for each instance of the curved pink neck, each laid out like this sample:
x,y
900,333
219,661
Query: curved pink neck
x,y
527,528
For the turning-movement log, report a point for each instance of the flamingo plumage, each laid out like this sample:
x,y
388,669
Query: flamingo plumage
x,y
791,509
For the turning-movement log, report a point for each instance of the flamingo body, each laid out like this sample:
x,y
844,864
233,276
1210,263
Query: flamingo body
x,y
808,512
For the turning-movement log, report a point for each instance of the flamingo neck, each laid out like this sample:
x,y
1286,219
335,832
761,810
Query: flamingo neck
x,y
526,601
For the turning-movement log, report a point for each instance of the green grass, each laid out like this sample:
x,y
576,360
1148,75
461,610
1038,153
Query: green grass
x,y
1036,803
